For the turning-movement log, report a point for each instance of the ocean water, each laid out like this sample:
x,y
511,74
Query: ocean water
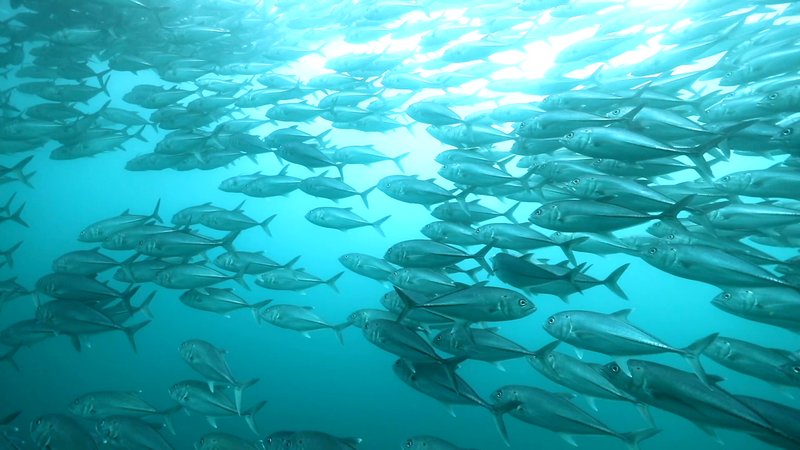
x,y
317,383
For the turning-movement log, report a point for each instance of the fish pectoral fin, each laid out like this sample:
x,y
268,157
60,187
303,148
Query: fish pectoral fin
x,y
568,439
212,421
709,431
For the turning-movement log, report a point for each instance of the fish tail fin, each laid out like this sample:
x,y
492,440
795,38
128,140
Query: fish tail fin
x,y
671,214
145,306
377,225
130,332
321,137
473,273
9,254
340,168
702,167
396,160
125,266
17,216
227,241
692,353
166,415
249,416
138,135
7,207
633,438
611,281
509,214
566,247
364,194
332,281
19,170
255,308
572,275
338,330
291,262
408,304
265,224
155,215
238,388
127,295
9,357
480,257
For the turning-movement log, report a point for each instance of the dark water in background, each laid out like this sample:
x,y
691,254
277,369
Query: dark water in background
x,y
346,390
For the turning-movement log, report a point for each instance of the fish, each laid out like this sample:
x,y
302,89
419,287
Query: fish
x,y
342,219
128,432
614,335
195,396
58,431
557,413
299,318
209,361
424,442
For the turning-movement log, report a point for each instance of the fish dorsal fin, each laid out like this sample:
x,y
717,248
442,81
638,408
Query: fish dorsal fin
x,y
714,379
565,395
351,442
622,314
308,308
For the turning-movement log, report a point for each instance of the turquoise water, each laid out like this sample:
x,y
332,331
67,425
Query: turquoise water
x,y
316,383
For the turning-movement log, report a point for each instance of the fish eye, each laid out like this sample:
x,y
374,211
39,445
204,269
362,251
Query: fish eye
x,y
796,369
576,181
498,394
538,212
409,443
615,112
551,320
570,135
269,440
615,368
726,296
523,302
38,421
670,236
725,179
773,96
652,251
786,132
728,74
438,338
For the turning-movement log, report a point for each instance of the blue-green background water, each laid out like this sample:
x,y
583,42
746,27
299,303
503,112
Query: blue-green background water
x,y
316,383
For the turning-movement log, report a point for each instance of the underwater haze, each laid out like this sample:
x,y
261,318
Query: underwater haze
x,y
401,224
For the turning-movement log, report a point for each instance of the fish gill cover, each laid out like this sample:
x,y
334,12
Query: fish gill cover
x,y
493,206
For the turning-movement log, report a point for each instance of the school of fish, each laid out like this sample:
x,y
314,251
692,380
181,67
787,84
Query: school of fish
x,y
599,158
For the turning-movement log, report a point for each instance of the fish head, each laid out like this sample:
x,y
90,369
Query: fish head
x,y
396,254
450,171
108,429
91,234
148,246
180,393
315,216
559,325
226,261
659,255
42,427
788,134
733,183
278,440
546,215
770,101
577,140
584,187
83,406
164,277
505,395
188,350
392,301
737,299
529,127
405,371
615,374
447,340
486,234
521,305
358,318
792,370
720,348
